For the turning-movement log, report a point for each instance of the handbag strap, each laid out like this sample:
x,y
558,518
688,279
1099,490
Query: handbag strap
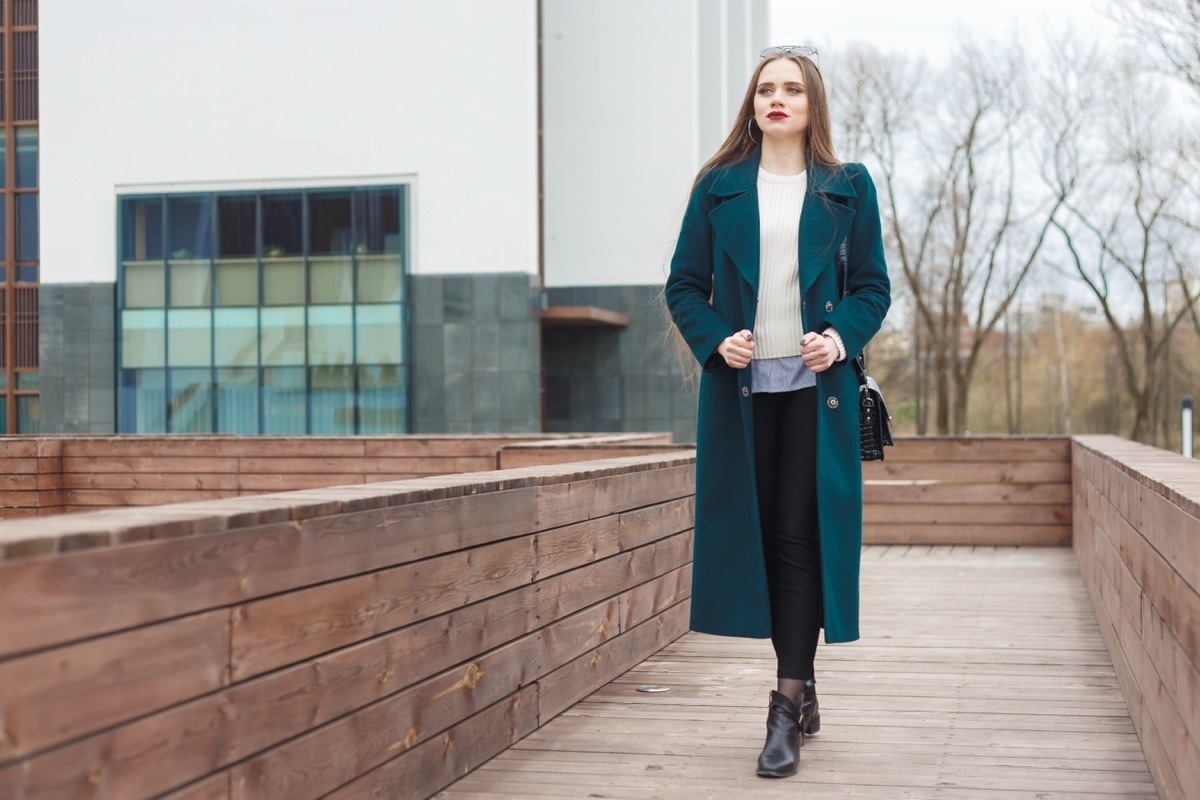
x,y
860,361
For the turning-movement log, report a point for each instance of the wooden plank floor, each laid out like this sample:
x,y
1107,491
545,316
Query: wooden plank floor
x,y
981,675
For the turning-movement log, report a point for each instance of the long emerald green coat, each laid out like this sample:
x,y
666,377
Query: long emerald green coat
x,y
717,256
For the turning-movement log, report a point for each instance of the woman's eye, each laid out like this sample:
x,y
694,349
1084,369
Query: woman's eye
x,y
795,90
764,90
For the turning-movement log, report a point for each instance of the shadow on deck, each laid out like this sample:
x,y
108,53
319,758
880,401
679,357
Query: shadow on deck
x,y
981,674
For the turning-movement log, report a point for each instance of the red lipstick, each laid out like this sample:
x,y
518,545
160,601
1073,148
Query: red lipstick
x,y
777,115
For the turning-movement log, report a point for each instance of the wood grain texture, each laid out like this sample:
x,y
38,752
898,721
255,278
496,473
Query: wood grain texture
x,y
981,674
1135,533
119,472
1000,535
214,787
289,627
58,695
358,624
421,772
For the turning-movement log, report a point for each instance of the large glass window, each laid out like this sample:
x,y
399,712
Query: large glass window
x,y
282,336
145,284
237,401
235,337
263,312
331,397
142,229
189,337
142,401
377,221
330,335
190,401
27,227
283,224
381,401
29,413
27,157
377,334
285,400
189,227
143,338
237,225
329,223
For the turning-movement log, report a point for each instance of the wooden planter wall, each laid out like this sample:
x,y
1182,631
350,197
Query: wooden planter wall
x,y
376,640
57,474
1137,535
975,490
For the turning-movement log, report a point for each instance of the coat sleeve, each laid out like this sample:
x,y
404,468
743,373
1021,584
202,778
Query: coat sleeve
x,y
690,284
860,314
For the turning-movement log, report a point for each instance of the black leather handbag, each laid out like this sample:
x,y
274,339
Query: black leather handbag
x,y
874,424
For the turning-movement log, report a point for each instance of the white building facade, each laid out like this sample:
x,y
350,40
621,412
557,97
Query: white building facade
x,y
425,216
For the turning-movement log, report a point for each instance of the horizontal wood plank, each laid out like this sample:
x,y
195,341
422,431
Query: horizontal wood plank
x,y
979,448
958,515
966,494
962,472
57,695
1000,535
938,735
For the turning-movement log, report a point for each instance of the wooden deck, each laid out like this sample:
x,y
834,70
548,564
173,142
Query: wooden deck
x,y
981,675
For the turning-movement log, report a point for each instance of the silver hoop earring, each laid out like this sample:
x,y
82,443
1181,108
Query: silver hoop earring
x,y
750,130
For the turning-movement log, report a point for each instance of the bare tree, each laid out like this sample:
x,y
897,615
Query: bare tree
x,y
1124,238
950,155
1170,29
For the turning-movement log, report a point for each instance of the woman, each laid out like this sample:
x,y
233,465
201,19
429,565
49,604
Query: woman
x,y
754,291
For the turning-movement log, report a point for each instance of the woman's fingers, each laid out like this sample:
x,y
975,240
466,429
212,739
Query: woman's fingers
x,y
737,349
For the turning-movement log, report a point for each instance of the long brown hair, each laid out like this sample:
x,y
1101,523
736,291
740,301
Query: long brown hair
x,y
738,146
818,138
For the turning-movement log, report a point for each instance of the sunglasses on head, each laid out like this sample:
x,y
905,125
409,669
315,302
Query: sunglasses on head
x,y
801,50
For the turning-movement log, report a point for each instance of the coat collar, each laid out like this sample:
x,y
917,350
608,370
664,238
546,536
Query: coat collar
x,y
824,222
742,177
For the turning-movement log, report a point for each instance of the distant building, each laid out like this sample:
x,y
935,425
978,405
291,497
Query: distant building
x,y
291,217
20,401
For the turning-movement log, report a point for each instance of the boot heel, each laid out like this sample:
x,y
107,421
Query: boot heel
x,y
810,710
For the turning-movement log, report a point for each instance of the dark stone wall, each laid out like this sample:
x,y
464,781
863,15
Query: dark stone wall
x,y
476,361
617,379
77,357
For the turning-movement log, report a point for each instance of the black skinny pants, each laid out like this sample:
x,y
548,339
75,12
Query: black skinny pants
x,y
785,460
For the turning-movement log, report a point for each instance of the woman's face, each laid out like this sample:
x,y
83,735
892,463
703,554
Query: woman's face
x,y
780,99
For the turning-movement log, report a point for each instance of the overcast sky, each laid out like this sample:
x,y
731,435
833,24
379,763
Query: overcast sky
x,y
926,27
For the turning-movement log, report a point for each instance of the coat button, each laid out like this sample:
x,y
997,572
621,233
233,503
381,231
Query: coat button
x,y
832,402
745,391
828,306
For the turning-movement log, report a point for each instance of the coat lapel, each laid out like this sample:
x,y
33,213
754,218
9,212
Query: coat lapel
x,y
735,220
824,222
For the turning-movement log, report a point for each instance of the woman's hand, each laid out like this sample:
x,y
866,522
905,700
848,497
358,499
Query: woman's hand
x,y
737,349
819,352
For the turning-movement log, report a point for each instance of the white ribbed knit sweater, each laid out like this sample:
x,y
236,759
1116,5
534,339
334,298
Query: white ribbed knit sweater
x,y
778,326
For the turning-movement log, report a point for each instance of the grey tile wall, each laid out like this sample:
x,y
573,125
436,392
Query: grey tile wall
x,y
618,379
476,365
77,357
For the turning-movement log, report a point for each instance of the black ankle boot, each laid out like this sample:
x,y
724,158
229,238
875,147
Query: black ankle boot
x,y
810,712
781,754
